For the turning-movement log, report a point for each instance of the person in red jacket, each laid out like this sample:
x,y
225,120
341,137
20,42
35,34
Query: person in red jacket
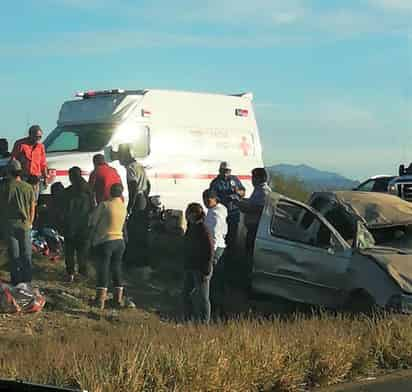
x,y
31,153
102,178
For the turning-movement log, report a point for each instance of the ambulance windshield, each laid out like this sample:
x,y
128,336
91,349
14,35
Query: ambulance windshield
x,y
81,138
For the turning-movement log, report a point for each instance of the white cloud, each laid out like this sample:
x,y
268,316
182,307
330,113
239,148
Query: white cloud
x,y
213,23
100,42
394,5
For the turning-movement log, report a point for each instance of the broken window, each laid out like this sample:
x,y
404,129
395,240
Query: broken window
x,y
295,223
342,223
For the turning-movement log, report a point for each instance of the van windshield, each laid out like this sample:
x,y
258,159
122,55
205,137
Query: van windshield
x,y
82,138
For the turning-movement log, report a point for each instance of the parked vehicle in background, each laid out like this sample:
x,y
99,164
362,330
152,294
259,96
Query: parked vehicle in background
x,y
180,138
330,253
402,186
375,184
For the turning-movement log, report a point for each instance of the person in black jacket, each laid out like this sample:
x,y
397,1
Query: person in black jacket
x,y
198,265
78,205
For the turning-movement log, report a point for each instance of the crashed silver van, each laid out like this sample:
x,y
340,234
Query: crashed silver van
x,y
337,252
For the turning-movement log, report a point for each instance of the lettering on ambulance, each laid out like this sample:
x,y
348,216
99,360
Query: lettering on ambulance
x,y
222,141
245,146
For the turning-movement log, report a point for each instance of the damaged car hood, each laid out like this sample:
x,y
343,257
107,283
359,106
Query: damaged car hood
x,y
398,264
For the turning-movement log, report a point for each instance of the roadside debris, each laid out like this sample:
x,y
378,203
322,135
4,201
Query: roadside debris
x,y
47,242
20,299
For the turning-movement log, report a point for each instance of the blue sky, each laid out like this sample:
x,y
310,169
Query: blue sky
x,y
332,79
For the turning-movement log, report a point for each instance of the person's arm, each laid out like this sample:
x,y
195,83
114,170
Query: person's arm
x,y
16,151
92,185
214,187
32,202
240,189
43,161
92,180
214,226
246,206
32,212
132,188
208,251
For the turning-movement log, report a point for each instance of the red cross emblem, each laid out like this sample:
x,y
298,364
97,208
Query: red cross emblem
x,y
245,146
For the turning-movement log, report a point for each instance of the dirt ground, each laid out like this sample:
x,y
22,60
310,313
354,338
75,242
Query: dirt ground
x,y
395,382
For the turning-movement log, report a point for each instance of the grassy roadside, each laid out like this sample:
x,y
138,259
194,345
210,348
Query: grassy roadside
x,y
71,344
134,353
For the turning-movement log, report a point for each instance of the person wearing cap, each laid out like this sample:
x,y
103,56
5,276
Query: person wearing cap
x,y
138,187
216,224
102,178
31,153
4,148
229,188
17,214
253,207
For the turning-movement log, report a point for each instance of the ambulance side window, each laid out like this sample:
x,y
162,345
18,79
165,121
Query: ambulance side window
x,y
137,136
140,146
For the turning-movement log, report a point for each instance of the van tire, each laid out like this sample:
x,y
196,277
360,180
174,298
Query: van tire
x,y
360,301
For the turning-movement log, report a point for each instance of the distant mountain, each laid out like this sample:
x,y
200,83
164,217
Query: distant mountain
x,y
314,179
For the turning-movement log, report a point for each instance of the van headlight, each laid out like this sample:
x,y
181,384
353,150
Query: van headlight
x,y
393,189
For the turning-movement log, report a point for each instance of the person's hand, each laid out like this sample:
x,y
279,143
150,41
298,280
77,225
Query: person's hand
x,y
205,278
234,197
240,192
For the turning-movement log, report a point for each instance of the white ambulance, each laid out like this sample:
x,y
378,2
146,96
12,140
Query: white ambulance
x,y
180,138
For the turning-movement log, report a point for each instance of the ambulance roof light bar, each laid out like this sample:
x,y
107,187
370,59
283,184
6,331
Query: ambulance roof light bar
x,y
92,93
248,95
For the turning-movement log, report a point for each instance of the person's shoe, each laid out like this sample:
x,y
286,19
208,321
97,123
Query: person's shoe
x,y
101,296
129,304
70,278
118,297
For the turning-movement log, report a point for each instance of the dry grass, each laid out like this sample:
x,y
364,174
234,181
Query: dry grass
x,y
135,350
128,354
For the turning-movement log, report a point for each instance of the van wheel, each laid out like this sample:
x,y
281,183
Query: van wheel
x,y
360,301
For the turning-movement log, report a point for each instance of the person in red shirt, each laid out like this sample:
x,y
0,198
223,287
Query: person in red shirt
x,y
102,178
30,152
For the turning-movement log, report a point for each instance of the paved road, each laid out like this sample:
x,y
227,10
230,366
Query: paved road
x,y
396,382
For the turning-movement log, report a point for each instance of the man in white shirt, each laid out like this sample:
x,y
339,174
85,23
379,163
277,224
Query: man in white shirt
x,y
216,224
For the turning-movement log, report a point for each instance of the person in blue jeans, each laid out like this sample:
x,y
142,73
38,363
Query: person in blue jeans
x,y
198,266
106,223
17,214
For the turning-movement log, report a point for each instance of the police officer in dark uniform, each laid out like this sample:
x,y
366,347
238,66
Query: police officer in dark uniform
x,y
229,189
